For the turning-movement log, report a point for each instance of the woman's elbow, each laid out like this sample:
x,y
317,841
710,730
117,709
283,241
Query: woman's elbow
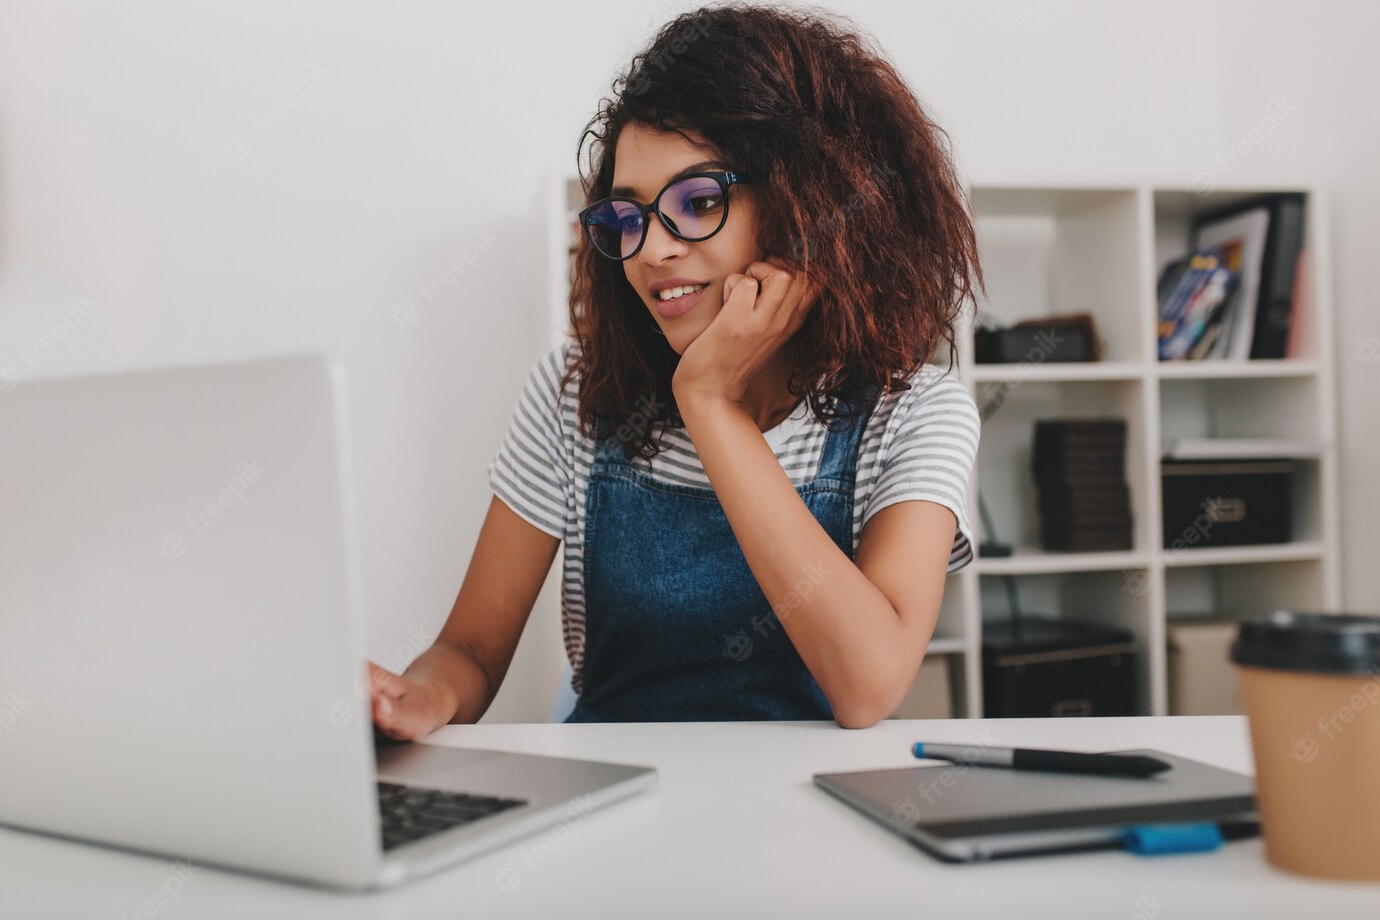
x,y
872,695
852,721
861,713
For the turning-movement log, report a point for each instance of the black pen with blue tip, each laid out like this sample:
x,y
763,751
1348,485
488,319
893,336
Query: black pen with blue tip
x,y
1051,761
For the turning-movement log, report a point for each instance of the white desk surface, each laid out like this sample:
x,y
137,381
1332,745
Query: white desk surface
x,y
734,828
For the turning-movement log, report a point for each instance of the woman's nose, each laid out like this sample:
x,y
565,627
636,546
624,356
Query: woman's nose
x,y
660,244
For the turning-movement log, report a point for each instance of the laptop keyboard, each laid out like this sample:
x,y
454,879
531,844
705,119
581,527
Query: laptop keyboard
x,y
410,813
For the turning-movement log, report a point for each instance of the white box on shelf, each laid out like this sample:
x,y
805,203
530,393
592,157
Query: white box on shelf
x,y
1202,679
930,697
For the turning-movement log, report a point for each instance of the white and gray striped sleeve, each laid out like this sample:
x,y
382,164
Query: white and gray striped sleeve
x,y
530,472
930,455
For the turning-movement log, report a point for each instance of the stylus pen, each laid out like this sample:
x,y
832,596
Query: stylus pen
x,y
1056,761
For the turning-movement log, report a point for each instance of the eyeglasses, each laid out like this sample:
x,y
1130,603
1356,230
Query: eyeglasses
x,y
693,208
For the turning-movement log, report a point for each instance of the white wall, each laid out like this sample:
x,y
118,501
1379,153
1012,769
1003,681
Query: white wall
x,y
231,178
1322,61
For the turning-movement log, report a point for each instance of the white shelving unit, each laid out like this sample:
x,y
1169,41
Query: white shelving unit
x,y
1054,248
1065,247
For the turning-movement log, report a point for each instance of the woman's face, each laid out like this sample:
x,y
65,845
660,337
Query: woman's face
x,y
644,161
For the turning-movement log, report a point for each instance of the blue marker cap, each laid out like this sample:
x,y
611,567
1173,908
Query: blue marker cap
x,y
1155,839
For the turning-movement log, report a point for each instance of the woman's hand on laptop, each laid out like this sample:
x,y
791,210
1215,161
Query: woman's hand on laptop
x,y
402,708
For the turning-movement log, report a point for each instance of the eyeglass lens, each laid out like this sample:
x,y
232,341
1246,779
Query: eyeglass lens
x,y
692,209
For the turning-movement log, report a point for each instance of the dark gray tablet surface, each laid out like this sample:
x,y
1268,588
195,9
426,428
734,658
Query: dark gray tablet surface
x,y
963,813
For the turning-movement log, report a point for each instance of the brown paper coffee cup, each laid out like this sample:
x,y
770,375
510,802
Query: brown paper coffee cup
x,y
1310,687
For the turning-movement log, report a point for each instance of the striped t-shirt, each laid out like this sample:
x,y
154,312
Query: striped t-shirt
x,y
919,444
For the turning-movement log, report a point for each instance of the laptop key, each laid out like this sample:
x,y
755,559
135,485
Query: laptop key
x,y
411,813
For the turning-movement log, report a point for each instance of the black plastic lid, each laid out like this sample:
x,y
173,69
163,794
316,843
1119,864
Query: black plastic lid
x,y
1327,643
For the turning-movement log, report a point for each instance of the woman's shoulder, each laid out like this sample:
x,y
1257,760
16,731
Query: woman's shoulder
x,y
933,390
559,357
547,381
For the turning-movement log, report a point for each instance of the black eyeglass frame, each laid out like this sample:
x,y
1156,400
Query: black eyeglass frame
x,y
725,178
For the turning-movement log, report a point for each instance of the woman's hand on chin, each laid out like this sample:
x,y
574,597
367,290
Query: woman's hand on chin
x,y
763,307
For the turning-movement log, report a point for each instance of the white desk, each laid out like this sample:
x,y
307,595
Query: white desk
x,y
735,828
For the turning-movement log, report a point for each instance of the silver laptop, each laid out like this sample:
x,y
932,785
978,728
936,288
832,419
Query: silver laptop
x,y
181,642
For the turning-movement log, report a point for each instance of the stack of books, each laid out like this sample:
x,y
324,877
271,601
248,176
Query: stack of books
x,y
1080,477
1239,293
1193,308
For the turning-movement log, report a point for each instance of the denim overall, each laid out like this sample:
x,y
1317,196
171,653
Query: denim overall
x,y
676,627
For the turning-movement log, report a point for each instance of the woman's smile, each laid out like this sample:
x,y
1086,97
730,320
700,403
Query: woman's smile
x,y
677,300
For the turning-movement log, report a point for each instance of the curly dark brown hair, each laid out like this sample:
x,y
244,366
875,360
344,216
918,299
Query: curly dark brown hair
x,y
854,185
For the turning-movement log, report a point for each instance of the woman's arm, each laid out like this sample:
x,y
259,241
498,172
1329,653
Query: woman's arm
x,y
861,626
456,679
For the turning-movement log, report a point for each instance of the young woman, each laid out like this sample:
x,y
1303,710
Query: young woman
x,y
758,478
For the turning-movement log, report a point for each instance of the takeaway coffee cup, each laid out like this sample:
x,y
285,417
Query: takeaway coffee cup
x,y
1310,685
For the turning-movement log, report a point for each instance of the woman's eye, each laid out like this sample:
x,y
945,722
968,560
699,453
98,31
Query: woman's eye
x,y
631,222
705,203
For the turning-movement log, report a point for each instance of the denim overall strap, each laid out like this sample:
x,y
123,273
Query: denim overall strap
x,y
676,626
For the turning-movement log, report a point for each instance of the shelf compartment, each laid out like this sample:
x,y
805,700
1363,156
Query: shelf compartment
x,y
1119,599
1174,211
1284,407
1209,589
1306,523
1058,251
1004,473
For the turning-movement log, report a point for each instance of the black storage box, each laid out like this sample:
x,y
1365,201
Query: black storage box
x,y
1040,343
1045,668
1226,502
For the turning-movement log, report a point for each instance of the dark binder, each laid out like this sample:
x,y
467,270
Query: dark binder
x,y
1283,241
